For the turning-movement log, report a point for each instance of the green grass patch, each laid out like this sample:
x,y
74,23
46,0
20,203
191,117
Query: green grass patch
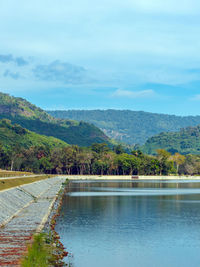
x,y
45,251
9,183
40,253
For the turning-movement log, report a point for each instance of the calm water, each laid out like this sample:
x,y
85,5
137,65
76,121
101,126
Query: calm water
x,y
140,224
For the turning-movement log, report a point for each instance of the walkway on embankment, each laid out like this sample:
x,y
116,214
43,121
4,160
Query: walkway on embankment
x,y
23,211
20,176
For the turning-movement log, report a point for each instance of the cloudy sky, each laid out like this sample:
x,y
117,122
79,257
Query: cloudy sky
x,y
89,54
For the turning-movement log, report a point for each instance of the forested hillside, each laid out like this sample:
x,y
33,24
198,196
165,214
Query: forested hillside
x,y
29,116
131,127
15,136
186,141
23,150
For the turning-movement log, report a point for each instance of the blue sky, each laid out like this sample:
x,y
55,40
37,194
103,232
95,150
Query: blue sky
x,y
89,54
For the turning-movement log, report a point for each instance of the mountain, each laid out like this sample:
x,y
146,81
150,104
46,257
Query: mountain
x,y
10,135
22,112
186,141
131,127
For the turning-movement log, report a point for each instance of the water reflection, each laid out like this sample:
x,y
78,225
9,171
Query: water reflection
x,y
132,223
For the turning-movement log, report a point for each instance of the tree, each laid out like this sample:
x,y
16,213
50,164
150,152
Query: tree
x,y
14,155
149,166
109,158
178,159
56,161
127,164
100,148
165,163
138,153
163,154
68,159
4,157
119,149
191,165
45,165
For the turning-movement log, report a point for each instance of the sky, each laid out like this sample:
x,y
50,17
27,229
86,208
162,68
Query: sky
x,y
89,54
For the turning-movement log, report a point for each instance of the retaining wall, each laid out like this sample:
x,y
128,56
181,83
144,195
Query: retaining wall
x,y
23,211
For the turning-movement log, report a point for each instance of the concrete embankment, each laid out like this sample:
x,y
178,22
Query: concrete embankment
x,y
23,211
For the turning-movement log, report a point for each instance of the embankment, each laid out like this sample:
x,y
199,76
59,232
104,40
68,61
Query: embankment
x,y
24,211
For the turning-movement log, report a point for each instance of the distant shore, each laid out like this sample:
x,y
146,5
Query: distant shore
x,y
129,177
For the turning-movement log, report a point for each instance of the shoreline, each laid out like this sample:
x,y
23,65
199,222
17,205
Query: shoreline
x,y
48,228
44,217
128,177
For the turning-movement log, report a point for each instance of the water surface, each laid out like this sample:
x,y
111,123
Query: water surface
x,y
131,223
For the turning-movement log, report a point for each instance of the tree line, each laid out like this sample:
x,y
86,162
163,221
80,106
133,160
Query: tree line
x,y
98,159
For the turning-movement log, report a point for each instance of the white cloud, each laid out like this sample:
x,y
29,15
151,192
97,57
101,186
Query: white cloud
x,y
60,71
134,94
196,98
149,41
170,6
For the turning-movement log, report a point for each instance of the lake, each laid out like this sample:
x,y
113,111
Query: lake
x,y
131,223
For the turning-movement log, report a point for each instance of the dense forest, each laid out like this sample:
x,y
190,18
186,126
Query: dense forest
x,y
131,127
98,159
24,150
20,111
185,141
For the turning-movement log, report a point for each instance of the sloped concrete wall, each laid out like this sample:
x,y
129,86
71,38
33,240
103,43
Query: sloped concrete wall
x,y
15,199
24,211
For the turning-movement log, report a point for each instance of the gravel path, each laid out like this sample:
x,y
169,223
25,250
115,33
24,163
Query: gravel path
x,y
23,211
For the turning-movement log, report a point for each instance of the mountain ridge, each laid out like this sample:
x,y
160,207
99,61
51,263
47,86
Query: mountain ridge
x,y
29,116
14,134
131,127
185,141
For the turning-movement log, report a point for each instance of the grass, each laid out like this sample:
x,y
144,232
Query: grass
x,y
45,251
40,253
9,183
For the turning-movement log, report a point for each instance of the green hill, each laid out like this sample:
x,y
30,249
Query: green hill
x,y
20,111
10,135
131,127
186,141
